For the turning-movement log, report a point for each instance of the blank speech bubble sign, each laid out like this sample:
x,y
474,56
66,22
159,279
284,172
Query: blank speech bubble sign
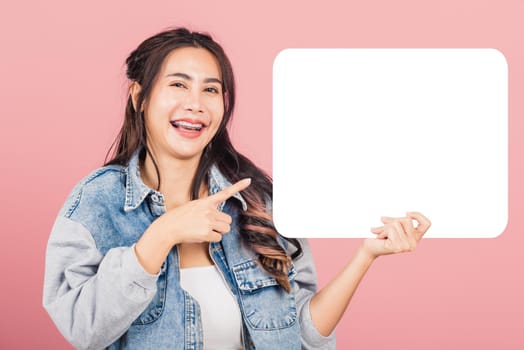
x,y
364,133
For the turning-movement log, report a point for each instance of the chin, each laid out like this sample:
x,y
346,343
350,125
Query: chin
x,y
186,154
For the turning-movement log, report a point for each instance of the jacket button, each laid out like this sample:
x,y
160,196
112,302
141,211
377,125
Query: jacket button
x,y
154,198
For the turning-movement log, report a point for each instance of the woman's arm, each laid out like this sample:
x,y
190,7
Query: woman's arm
x,y
194,222
330,303
396,236
92,299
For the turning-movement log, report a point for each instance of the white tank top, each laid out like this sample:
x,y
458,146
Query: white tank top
x,y
221,319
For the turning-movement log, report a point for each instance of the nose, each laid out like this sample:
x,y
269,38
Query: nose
x,y
193,101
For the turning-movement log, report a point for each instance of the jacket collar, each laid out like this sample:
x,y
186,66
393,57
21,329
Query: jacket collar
x,y
136,191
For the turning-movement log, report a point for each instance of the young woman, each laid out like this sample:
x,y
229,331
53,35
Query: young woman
x,y
171,244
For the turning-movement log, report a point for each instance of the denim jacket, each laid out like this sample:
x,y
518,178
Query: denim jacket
x,y
99,296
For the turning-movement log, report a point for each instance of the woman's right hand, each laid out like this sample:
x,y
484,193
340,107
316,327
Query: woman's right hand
x,y
196,221
199,220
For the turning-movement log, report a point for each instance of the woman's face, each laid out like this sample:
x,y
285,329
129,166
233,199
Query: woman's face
x,y
186,105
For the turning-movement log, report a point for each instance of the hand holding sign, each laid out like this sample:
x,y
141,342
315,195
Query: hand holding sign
x,y
398,235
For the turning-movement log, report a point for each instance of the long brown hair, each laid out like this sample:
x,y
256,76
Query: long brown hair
x,y
257,228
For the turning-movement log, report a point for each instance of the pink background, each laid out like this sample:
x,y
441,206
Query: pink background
x,y
63,90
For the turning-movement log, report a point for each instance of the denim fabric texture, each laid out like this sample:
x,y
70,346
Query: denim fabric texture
x,y
99,296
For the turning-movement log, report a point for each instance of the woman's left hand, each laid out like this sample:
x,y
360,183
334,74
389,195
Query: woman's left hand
x,y
398,235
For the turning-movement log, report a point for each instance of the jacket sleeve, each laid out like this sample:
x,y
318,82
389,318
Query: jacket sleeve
x,y
304,288
92,299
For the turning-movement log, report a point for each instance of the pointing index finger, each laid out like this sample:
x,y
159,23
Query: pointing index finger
x,y
230,191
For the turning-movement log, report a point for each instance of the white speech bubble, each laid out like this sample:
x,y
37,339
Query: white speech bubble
x,y
364,133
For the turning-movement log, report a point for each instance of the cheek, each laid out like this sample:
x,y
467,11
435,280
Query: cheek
x,y
154,117
217,121
163,101
218,111
215,104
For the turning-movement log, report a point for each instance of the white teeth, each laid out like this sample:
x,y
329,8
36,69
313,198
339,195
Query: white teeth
x,y
187,125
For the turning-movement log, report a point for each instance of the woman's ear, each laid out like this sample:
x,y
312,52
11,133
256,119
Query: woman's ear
x,y
134,91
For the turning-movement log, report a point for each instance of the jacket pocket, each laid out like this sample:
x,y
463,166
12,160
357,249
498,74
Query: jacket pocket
x,y
265,304
155,308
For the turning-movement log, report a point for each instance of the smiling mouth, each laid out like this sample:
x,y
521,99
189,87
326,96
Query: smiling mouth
x,y
182,124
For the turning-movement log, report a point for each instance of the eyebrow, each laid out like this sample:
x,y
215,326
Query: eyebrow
x,y
187,77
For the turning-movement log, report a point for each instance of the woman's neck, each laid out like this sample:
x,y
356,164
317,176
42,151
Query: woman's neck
x,y
176,177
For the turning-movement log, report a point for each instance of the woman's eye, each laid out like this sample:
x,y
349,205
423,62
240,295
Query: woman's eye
x,y
212,90
178,85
